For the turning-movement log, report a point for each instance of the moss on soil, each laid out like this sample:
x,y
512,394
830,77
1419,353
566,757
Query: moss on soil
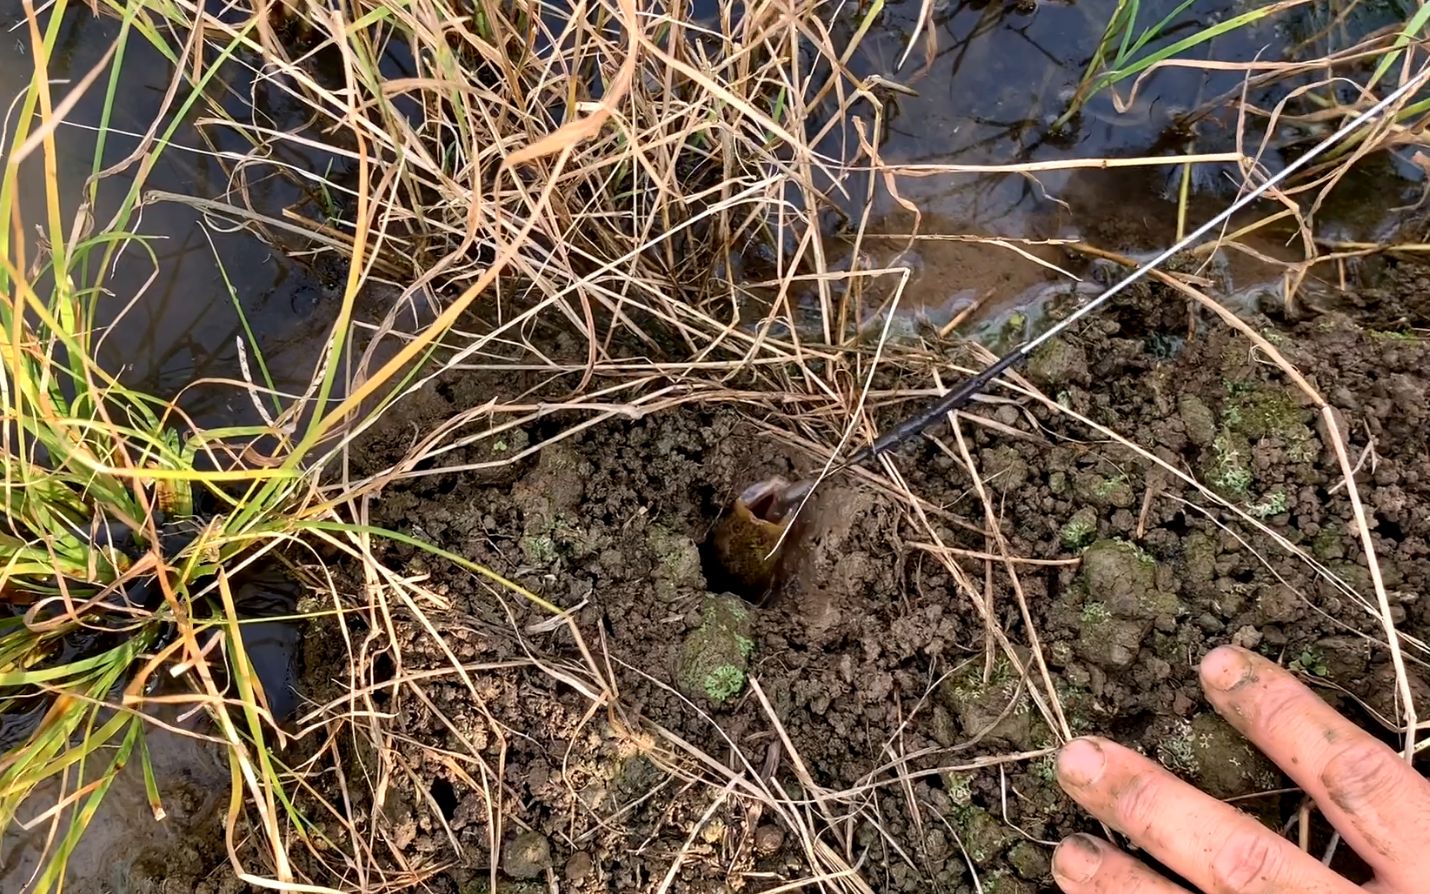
x,y
716,656
1080,530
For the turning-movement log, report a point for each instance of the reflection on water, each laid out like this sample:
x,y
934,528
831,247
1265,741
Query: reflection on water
x,y
172,315
1000,73
987,80
984,79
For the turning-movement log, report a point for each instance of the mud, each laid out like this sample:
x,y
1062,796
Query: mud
x,y
127,848
879,691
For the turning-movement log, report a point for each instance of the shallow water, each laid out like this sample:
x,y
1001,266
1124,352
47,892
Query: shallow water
x,y
173,319
987,91
193,785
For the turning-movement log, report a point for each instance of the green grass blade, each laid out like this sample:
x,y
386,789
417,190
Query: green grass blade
x,y
1411,32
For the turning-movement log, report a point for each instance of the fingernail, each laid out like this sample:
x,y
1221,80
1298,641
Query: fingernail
x,y
1077,858
1080,762
1225,668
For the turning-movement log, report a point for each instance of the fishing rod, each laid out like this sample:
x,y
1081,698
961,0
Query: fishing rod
x,y
964,392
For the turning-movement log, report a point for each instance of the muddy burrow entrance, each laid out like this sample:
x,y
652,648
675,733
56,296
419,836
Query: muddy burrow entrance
x,y
889,709
783,546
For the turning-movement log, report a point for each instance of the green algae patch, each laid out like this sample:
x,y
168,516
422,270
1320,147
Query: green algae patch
x,y
1259,411
1254,414
1229,468
1105,491
1080,530
715,658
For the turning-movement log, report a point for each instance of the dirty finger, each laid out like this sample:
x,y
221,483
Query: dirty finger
x,y
1086,865
1380,805
1212,845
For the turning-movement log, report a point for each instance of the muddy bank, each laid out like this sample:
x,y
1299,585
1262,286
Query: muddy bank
x,y
868,703
879,703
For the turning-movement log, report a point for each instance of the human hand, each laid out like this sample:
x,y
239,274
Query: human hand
x,y
1380,805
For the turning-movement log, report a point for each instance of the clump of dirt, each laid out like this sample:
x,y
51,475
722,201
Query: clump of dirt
x,y
868,689
1395,297
715,657
1119,601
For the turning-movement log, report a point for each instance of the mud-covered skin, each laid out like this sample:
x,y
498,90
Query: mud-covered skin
x,y
745,547
848,651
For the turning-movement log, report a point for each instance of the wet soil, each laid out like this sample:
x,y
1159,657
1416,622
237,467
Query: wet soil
x,y
874,661
127,848
867,689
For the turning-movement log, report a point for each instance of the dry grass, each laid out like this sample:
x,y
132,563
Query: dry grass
x,y
588,239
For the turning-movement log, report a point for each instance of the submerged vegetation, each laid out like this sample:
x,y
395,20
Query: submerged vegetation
x,y
617,208
125,527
